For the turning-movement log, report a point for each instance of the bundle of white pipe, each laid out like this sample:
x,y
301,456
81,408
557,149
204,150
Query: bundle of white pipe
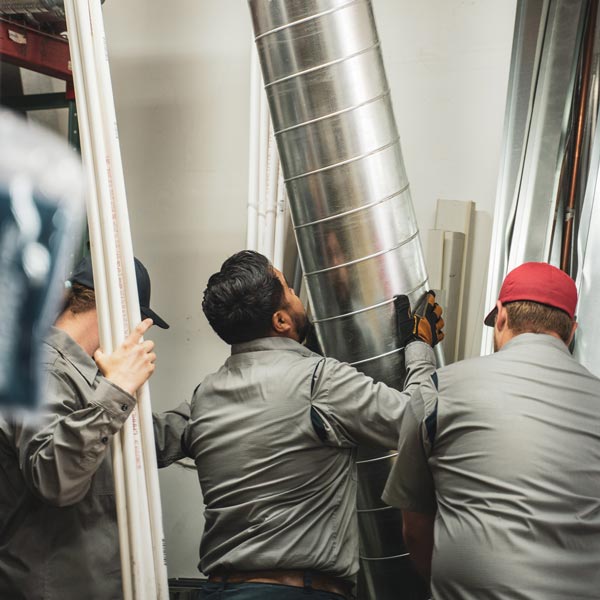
x,y
267,198
139,513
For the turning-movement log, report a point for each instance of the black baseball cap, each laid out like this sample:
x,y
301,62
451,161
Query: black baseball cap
x,y
84,275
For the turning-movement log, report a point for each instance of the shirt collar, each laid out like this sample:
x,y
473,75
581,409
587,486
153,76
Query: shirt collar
x,y
72,352
537,339
271,343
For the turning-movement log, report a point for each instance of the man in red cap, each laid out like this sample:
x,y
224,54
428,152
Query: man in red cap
x,y
498,472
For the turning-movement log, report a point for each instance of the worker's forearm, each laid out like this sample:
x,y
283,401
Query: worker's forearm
x,y
61,450
420,554
169,432
420,364
418,537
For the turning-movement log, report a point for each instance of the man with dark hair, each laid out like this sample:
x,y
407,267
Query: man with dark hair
x,y
498,472
241,299
58,528
274,435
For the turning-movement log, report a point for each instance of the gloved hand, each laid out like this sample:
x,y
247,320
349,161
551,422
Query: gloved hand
x,y
412,327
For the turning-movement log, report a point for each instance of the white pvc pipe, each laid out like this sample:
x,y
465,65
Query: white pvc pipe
x,y
272,176
263,155
253,151
280,223
123,229
101,295
143,578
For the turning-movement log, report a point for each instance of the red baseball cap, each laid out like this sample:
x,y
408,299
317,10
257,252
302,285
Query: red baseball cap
x,y
537,282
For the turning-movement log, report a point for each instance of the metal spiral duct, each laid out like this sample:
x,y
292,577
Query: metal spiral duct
x,y
353,218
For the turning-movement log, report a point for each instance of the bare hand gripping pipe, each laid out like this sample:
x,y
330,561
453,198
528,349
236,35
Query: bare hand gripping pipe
x,y
353,219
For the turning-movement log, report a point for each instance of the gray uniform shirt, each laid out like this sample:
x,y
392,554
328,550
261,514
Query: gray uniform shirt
x,y
58,528
509,450
278,496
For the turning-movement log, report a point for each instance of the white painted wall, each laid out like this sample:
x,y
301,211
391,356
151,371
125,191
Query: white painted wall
x,y
447,62
180,74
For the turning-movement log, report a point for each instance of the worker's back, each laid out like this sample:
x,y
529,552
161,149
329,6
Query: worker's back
x,y
516,465
276,496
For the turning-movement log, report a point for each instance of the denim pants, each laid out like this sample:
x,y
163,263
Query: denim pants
x,y
262,591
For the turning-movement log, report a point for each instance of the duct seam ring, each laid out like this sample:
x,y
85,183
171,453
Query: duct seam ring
x,y
366,308
396,140
405,555
323,66
363,258
354,210
306,19
385,93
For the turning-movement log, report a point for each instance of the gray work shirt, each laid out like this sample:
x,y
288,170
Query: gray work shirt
x,y
277,495
509,451
58,528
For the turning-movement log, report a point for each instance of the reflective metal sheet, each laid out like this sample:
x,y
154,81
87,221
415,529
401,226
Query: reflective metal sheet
x,y
587,349
371,474
365,337
531,239
351,286
343,137
348,187
317,42
380,532
344,85
280,14
376,228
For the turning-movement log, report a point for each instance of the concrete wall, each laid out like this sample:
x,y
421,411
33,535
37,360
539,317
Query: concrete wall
x,y
181,81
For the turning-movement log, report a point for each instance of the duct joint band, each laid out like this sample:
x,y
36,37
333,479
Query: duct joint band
x,y
405,555
363,258
396,140
366,308
372,510
331,63
307,19
353,210
378,458
385,93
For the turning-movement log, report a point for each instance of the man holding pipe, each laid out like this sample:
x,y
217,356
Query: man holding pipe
x,y
58,526
274,434
498,471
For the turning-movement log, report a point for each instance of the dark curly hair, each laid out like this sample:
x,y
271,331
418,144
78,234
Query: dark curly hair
x,y
239,300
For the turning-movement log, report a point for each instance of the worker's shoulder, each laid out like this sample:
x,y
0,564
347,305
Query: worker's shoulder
x,y
473,364
52,359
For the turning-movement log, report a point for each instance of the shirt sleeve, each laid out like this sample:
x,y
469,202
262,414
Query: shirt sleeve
x,y
410,484
62,447
355,410
169,434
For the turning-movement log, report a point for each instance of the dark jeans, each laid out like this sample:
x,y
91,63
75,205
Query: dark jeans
x,y
261,591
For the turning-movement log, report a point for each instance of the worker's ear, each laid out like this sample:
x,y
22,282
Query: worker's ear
x,y
501,317
281,322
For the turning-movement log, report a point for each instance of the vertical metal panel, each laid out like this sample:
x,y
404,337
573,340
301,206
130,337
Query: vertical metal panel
x,y
354,222
544,64
587,349
530,21
532,234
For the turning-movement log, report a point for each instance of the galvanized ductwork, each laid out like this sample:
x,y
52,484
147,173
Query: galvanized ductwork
x,y
354,222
